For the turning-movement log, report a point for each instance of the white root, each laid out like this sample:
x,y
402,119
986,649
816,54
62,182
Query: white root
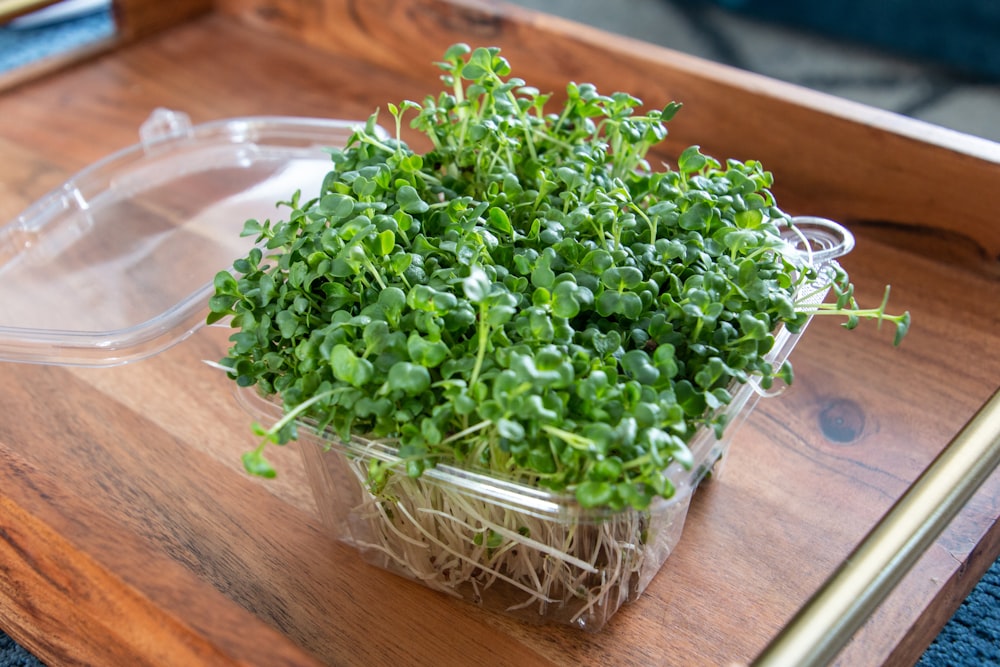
x,y
568,569
522,539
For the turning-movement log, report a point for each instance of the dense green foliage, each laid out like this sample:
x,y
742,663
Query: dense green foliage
x,y
529,297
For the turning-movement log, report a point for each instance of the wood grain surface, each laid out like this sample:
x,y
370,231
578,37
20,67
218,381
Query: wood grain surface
x,y
130,535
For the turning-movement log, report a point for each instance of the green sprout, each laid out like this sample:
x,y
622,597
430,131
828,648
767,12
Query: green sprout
x,y
528,297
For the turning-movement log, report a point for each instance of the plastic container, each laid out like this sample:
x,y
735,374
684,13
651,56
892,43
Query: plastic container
x,y
118,264
513,548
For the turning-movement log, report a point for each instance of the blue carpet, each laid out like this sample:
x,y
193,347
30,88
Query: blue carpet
x,y
19,47
12,655
972,637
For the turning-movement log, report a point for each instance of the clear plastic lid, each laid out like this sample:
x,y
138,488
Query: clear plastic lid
x,y
117,264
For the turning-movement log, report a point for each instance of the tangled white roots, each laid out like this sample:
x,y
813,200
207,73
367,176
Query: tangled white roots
x,y
563,570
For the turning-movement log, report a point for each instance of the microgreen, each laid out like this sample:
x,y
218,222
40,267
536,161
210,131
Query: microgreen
x,y
529,297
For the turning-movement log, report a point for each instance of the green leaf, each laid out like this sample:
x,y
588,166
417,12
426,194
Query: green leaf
x,y
499,315
594,494
565,302
392,300
226,284
337,206
750,219
252,228
456,51
409,200
638,365
288,323
634,495
348,367
697,217
412,164
386,242
597,261
408,378
608,469
691,401
424,352
622,278
902,328
542,275
363,186
754,327
670,110
477,285
220,305
510,429
255,464
691,160
500,221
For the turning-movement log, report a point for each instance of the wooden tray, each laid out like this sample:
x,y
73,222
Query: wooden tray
x,y
130,535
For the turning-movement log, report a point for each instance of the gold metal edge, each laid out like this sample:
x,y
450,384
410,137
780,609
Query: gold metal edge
x,y
824,625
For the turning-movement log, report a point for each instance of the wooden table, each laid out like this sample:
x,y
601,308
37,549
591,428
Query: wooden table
x,y
130,535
